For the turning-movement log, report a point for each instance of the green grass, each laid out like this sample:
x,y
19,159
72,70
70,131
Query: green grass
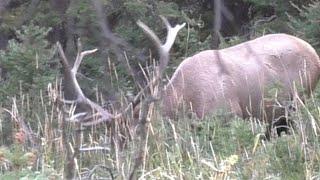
x,y
214,148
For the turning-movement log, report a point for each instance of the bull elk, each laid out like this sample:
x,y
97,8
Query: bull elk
x,y
89,113
236,79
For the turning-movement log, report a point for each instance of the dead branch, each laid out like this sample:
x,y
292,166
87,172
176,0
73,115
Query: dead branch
x,y
31,136
3,5
260,22
95,149
90,172
30,11
217,24
118,45
264,20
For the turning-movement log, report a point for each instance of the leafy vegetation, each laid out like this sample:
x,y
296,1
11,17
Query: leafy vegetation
x,y
28,61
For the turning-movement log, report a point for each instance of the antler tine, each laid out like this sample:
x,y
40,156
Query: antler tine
x,y
150,33
80,56
163,48
64,59
165,21
172,34
98,113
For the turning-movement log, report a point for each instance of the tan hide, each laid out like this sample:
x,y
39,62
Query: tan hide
x,y
238,78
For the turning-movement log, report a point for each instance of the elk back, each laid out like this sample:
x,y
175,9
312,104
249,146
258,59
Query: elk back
x,y
240,79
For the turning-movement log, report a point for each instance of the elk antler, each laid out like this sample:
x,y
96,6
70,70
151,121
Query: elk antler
x,y
163,49
98,113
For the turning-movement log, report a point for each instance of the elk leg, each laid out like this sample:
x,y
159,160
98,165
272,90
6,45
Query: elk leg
x,y
283,125
280,120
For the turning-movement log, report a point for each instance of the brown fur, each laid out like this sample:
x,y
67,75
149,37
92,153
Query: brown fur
x,y
239,78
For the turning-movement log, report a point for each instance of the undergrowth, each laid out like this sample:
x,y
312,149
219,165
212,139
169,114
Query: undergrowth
x,y
214,148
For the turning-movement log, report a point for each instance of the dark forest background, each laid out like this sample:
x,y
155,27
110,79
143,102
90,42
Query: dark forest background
x,y
29,27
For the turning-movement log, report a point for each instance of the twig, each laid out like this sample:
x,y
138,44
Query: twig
x,y
96,148
91,172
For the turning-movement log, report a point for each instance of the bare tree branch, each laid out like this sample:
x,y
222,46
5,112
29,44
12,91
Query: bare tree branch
x,y
216,24
118,45
22,125
260,22
95,148
29,12
3,6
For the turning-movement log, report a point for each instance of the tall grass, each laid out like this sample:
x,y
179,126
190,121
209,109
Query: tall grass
x,y
214,148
